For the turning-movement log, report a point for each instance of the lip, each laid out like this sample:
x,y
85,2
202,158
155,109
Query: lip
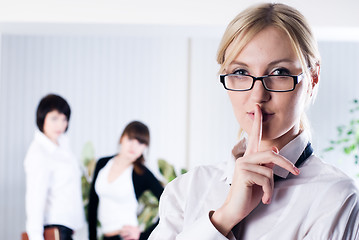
x,y
265,116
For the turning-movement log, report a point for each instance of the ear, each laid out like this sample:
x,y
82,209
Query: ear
x,y
315,72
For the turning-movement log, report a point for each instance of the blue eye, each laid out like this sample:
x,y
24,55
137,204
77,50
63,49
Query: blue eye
x,y
281,71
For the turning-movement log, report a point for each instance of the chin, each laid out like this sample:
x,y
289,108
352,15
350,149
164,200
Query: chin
x,y
271,133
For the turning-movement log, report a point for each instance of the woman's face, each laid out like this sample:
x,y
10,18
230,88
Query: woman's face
x,y
131,148
269,52
55,124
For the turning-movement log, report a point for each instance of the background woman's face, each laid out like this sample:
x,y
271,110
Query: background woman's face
x,y
269,52
131,147
55,124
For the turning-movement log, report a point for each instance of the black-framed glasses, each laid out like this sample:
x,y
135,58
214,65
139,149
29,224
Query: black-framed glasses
x,y
272,83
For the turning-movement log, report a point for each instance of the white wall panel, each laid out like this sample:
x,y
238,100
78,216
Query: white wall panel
x,y
213,128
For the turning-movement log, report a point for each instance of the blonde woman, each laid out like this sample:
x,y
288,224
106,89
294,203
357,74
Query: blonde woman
x,y
274,187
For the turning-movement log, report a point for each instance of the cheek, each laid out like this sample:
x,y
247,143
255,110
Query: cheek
x,y
291,108
141,150
238,101
47,125
297,101
64,126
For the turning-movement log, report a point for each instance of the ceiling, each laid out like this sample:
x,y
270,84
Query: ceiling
x,y
320,13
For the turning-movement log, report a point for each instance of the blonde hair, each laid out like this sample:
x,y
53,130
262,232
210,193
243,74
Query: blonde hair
x,y
251,21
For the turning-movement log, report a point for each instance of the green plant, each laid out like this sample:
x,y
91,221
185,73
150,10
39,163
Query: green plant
x,y
168,171
147,210
148,203
348,135
88,165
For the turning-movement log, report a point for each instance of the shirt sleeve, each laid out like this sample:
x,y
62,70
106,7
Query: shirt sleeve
x,y
156,188
171,216
37,184
153,184
336,213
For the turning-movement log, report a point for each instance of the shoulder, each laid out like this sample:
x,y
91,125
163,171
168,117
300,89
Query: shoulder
x,y
145,177
202,172
329,182
195,180
146,173
332,198
36,155
321,171
103,161
187,190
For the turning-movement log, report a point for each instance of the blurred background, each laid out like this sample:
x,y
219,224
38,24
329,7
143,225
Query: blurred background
x,y
153,61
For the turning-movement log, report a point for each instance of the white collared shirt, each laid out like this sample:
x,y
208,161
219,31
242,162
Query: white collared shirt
x,y
320,203
53,186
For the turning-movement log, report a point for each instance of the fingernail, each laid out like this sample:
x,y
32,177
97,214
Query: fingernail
x,y
275,149
296,170
268,201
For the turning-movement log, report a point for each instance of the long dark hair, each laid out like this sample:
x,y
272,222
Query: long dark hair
x,y
139,131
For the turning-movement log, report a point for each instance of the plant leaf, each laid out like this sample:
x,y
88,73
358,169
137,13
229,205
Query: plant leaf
x,y
167,170
349,149
328,149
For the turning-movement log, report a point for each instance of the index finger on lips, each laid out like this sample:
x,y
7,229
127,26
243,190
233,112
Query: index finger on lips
x,y
256,132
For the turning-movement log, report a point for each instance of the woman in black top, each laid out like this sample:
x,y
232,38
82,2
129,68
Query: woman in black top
x,y
118,207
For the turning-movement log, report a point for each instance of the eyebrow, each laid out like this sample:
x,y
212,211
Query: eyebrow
x,y
285,60
238,63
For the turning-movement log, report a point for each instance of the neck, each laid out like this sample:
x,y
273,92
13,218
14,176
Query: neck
x,y
123,160
54,140
281,141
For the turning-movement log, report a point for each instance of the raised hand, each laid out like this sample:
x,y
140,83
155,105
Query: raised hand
x,y
252,180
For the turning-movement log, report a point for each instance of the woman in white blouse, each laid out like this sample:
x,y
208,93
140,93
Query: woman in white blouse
x,y
118,183
53,175
274,187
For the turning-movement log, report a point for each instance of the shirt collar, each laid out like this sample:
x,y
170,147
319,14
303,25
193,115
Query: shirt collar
x,y
46,142
291,151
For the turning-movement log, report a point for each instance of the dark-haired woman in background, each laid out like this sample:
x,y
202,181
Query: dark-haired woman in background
x,y
118,183
53,175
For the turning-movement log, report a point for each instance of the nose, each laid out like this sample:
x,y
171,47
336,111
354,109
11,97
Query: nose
x,y
258,93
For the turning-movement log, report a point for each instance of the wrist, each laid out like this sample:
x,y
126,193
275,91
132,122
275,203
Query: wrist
x,y
222,221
